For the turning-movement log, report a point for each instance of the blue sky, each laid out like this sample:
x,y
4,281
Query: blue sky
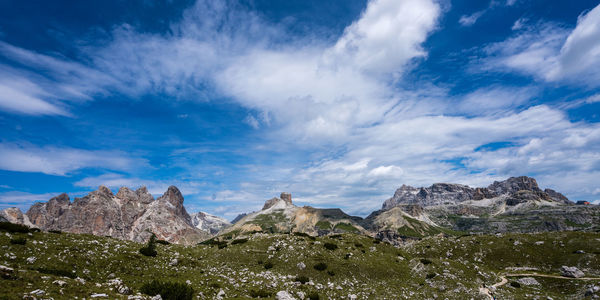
x,y
337,102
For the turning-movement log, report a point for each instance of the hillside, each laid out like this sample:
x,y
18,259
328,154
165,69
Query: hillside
x,y
62,265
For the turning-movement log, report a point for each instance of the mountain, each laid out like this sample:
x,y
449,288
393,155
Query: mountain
x,y
209,223
513,205
280,215
130,215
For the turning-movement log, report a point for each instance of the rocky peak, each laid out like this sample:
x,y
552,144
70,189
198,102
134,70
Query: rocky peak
x,y
286,199
144,196
140,195
60,199
174,197
104,191
513,185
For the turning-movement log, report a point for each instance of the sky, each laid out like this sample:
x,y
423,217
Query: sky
x,y
336,102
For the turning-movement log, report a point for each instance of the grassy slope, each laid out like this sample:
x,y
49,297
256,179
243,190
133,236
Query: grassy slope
x,y
373,270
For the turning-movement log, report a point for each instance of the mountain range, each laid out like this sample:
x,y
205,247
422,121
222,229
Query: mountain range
x,y
513,205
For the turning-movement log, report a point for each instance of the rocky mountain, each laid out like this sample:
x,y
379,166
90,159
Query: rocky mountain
x,y
130,215
209,223
513,205
279,214
515,190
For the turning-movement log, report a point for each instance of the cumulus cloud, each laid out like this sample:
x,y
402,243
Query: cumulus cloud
x,y
22,200
62,160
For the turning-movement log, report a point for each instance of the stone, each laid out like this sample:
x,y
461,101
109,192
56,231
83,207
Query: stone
x,y
157,297
6,272
283,295
59,282
301,266
572,272
528,281
99,295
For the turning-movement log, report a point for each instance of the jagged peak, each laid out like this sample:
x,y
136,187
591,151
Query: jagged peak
x,y
105,190
285,198
62,198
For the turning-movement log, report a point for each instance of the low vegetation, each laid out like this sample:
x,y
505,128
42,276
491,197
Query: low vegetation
x,y
68,265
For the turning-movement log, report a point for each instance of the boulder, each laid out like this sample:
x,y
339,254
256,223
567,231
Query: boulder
x,y
572,272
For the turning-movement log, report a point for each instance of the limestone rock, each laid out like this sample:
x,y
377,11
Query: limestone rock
x,y
131,215
572,272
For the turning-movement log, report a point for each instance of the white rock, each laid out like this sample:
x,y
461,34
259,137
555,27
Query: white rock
x,y
301,295
37,292
31,259
352,297
301,266
173,262
283,295
59,282
80,280
220,294
99,295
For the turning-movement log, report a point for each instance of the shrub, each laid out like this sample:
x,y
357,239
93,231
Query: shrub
x,y
430,275
222,245
330,246
57,272
168,290
163,242
215,285
302,234
150,248
313,295
268,265
320,266
376,241
18,241
260,294
239,241
358,245
11,227
515,284
425,261
55,231
302,279
260,262
331,273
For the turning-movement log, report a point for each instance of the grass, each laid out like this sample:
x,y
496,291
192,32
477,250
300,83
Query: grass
x,y
323,225
455,268
347,227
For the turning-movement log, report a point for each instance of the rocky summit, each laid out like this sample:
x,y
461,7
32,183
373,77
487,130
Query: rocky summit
x,y
131,215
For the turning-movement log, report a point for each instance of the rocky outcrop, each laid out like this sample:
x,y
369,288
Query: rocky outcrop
x,y
14,215
279,214
131,215
209,223
515,189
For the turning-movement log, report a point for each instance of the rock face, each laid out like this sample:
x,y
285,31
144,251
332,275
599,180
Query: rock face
x,y
14,215
131,215
513,205
209,223
516,189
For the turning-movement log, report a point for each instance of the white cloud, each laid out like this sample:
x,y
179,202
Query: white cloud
x,y
24,97
469,20
553,53
387,35
519,24
62,161
155,187
23,200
